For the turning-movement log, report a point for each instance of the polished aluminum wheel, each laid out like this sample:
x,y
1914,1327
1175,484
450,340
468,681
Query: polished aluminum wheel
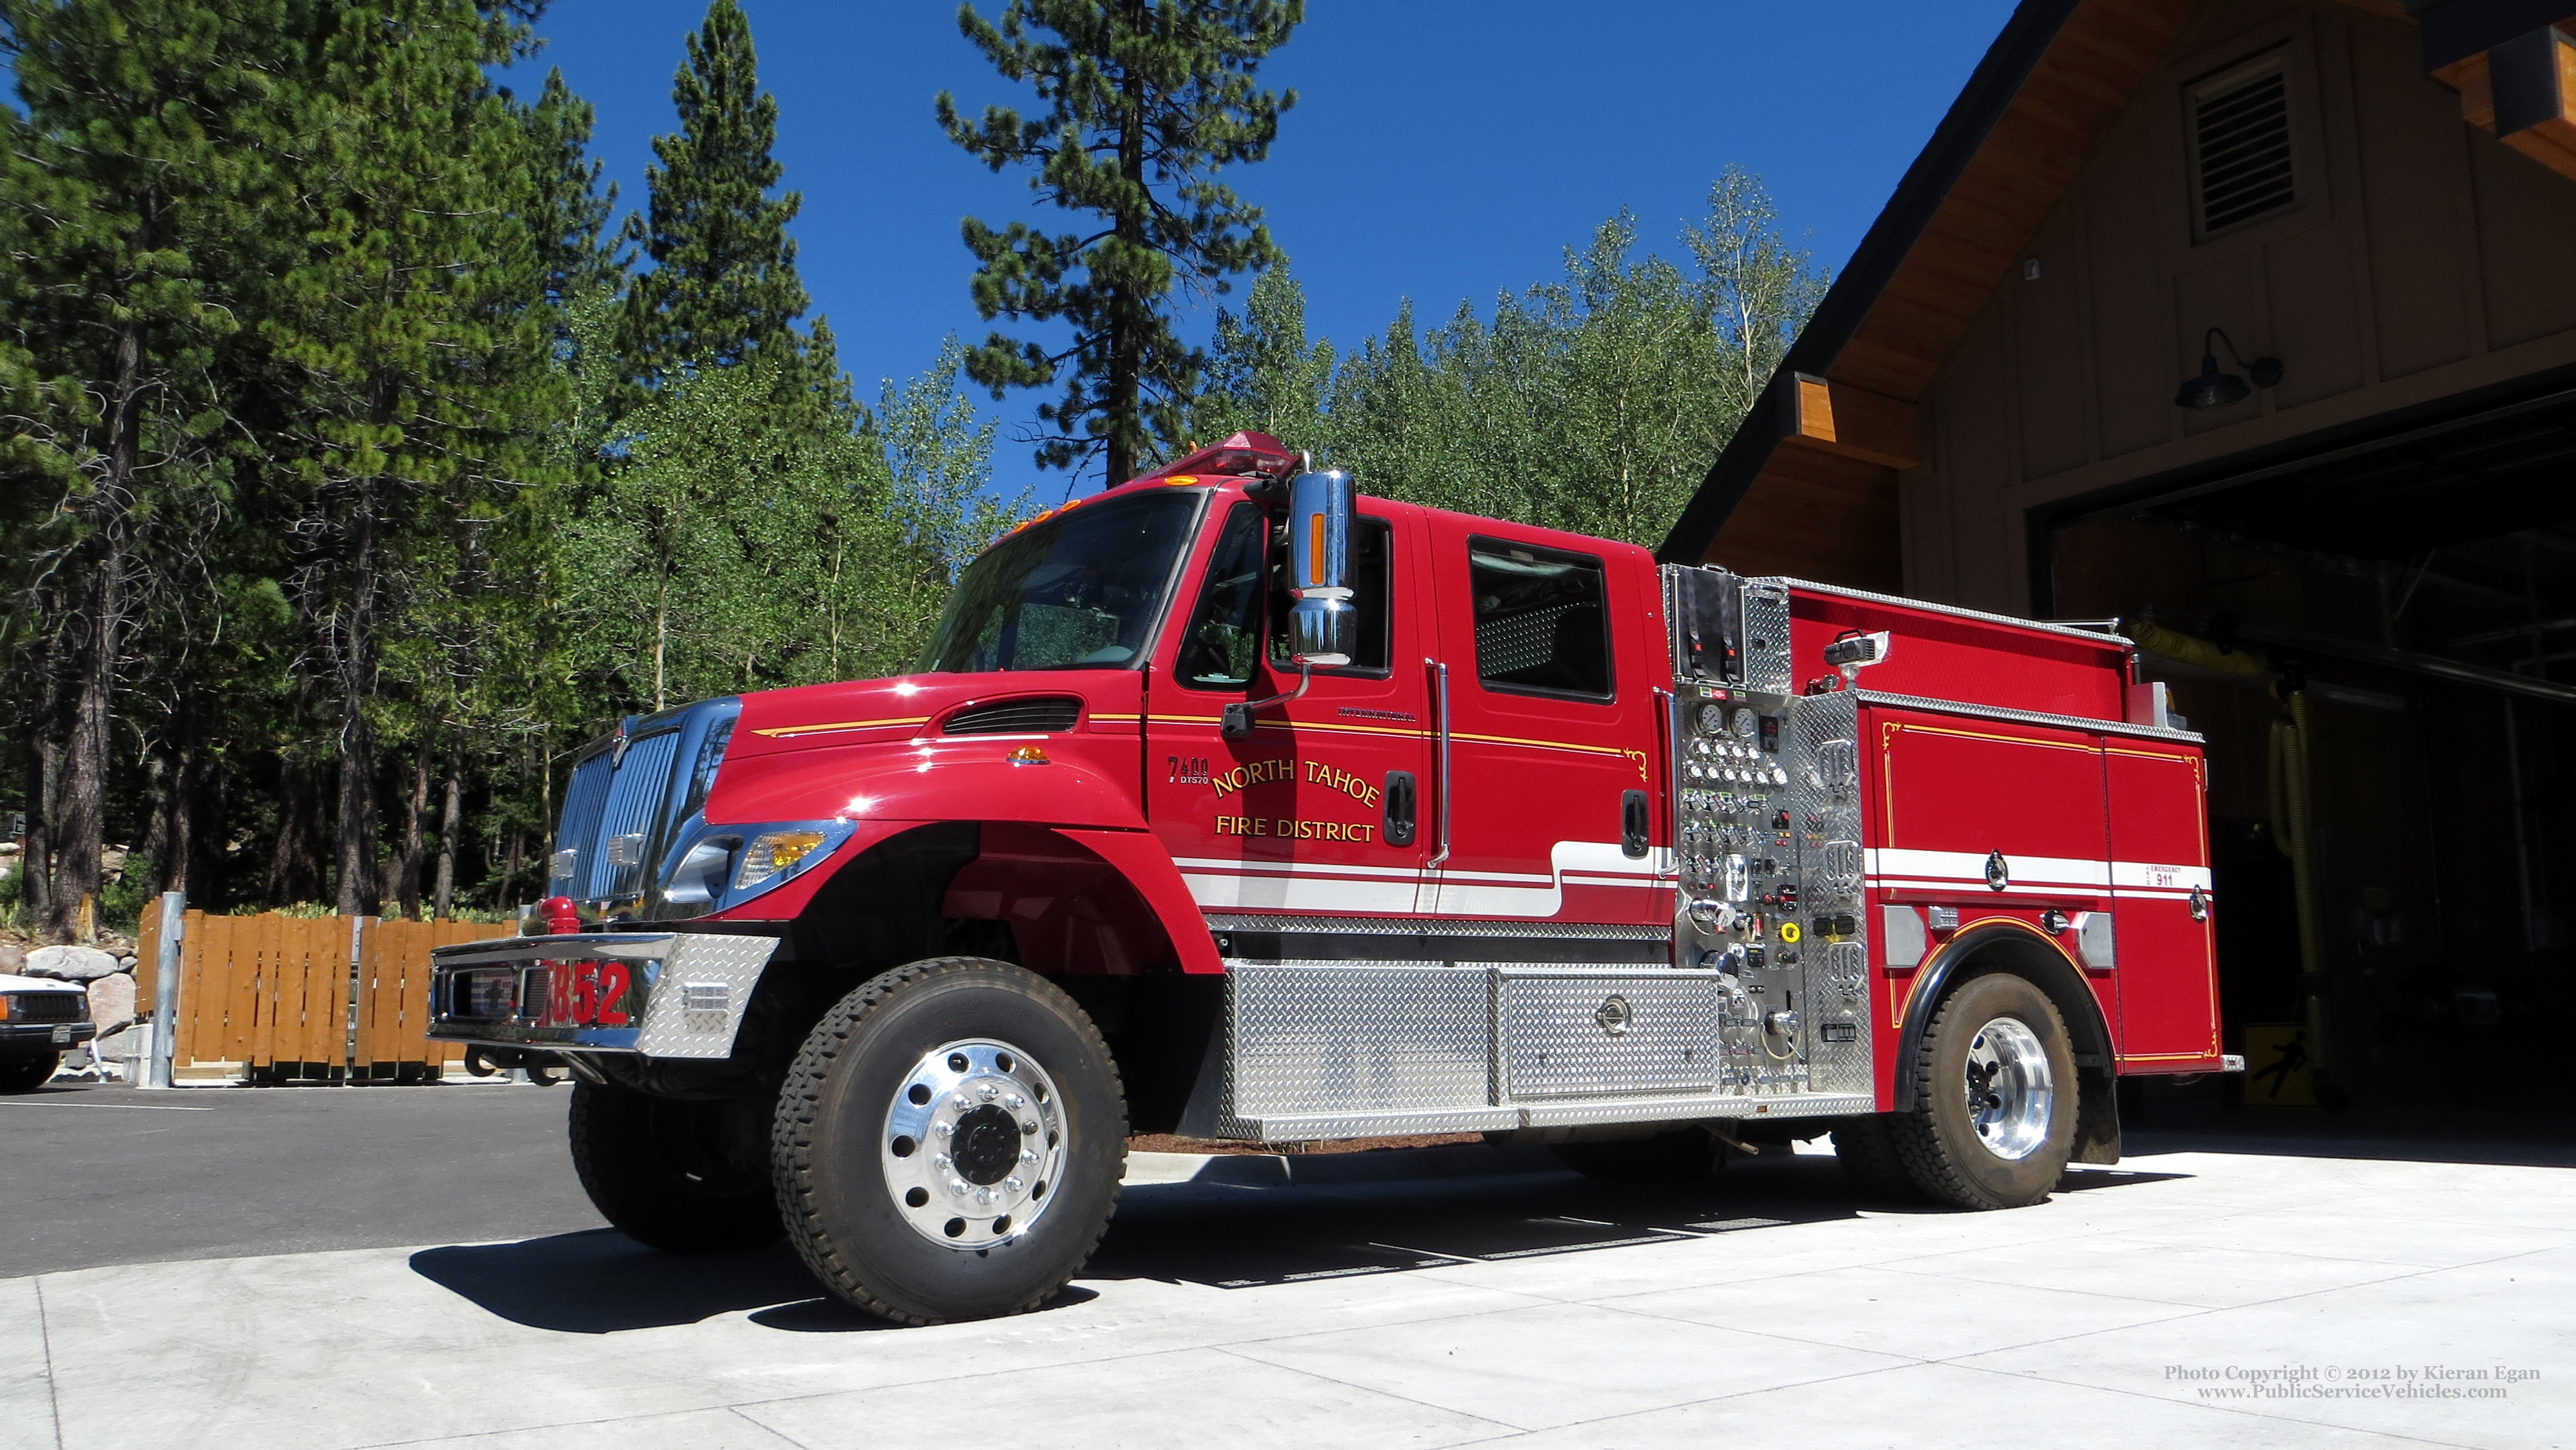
x,y
2011,1095
974,1144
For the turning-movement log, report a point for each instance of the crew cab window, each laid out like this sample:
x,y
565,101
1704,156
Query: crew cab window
x,y
1223,638
1372,586
1542,625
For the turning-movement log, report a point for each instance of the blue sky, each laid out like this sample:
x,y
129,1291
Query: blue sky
x,y
1439,150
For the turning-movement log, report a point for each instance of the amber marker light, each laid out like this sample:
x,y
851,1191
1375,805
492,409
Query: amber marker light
x,y
1029,755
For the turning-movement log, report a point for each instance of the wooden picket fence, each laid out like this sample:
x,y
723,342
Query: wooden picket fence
x,y
273,997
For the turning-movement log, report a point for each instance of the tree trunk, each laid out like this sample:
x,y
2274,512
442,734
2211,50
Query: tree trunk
x,y
450,823
352,657
44,763
1124,397
79,816
403,872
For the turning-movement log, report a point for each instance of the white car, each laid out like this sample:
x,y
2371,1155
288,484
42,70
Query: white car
x,y
38,1019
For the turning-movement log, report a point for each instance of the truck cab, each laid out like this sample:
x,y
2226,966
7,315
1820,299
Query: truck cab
x,y
1233,802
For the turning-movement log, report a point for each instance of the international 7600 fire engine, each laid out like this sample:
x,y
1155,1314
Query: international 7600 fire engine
x,y
1233,804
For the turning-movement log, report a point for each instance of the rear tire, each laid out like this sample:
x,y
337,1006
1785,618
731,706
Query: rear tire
x,y
1995,1097
1685,1155
1866,1147
26,1074
683,1176
949,1142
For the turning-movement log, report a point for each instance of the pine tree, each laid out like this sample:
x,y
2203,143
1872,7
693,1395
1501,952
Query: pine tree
x,y
723,289
407,350
131,198
1146,101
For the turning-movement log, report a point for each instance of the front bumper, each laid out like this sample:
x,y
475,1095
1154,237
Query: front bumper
x,y
675,994
44,1036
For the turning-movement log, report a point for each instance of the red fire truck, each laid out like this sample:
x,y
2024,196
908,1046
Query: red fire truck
x,y
1233,804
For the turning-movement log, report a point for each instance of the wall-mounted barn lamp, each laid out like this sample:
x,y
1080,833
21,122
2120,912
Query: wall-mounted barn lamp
x,y
2214,389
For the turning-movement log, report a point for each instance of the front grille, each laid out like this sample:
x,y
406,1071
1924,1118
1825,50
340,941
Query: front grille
x,y
622,808
1036,716
48,1006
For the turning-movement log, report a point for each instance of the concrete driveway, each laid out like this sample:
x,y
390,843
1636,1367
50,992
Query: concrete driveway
x,y
2188,1298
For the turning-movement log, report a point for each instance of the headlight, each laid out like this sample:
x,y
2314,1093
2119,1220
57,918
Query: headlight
x,y
775,853
700,877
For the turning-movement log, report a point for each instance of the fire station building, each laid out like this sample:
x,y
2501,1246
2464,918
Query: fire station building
x,y
2252,325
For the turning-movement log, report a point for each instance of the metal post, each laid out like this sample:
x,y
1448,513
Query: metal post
x,y
165,987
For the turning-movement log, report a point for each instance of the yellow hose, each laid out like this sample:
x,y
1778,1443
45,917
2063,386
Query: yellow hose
x,y
2195,651
2291,825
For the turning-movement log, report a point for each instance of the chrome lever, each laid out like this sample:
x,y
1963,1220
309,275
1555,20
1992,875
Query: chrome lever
x,y
1440,673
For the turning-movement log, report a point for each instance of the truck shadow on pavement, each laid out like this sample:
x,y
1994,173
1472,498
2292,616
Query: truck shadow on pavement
x,y
1243,1224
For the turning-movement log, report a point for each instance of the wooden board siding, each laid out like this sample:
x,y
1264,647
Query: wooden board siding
x,y
2422,260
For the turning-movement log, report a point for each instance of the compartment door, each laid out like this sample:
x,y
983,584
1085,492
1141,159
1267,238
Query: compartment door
x,y
2159,858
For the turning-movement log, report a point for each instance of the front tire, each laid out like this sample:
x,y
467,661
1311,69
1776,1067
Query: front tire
x,y
26,1074
949,1142
1995,1097
683,1176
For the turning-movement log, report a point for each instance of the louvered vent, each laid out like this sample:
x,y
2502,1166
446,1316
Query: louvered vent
x,y
2241,142
1016,717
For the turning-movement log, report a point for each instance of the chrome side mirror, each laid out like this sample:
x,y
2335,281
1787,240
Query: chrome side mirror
x,y
1323,625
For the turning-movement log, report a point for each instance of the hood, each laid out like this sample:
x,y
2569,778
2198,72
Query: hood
x,y
906,706
12,983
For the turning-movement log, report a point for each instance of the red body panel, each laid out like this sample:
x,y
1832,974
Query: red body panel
x,y
1536,780
2160,859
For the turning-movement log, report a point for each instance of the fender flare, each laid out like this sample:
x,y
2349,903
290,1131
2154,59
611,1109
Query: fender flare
x,y
1139,856
2023,950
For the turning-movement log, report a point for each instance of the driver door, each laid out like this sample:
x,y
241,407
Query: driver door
x,y
1317,811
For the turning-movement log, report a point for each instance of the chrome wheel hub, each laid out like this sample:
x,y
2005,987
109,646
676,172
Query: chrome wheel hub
x,y
974,1144
2011,1095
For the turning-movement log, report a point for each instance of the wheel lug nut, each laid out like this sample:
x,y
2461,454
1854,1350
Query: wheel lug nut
x,y
1014,1100
945,1129
957,1186
1013,1183
983,1195
987,1092
939,1160
960,1102
1029,1156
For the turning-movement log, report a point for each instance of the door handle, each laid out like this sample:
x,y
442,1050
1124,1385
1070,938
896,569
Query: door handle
x,y
1634,824
1399,807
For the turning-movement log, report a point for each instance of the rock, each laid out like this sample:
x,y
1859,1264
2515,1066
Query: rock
x,y
12,959
70,964
125,963
111,1000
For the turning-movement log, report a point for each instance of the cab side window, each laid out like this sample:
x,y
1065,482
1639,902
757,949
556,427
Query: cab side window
x,y
1372,586
1224,634
1542,622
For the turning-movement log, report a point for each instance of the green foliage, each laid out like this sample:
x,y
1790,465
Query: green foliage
x,y
1146,101
1594,403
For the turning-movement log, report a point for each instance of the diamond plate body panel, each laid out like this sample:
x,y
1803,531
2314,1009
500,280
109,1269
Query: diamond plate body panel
x,y
1833,957
703,961
1339,1041
1766,637
1567,1035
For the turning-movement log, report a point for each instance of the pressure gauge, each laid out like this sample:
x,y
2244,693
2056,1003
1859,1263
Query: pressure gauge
x,y
1712,719
1746,722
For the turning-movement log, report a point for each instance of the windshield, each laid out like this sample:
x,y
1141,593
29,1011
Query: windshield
x,y
1080,591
